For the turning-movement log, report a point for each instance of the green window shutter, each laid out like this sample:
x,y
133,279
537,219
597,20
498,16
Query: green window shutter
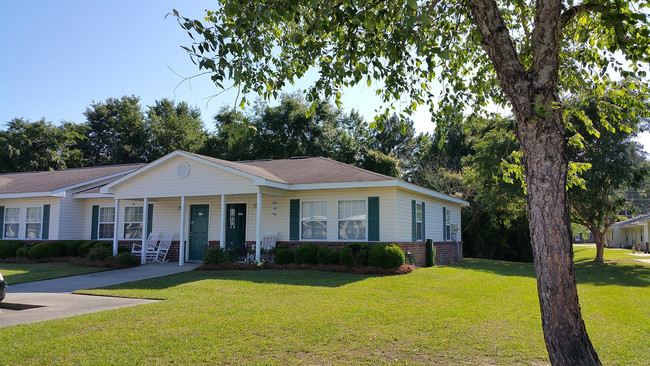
x,y
414,228
294,220
373,218
45,234
95,223
444,224
424,220
149,219
2,221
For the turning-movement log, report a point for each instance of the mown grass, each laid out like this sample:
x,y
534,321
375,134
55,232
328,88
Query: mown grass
x,y
477,312
15,273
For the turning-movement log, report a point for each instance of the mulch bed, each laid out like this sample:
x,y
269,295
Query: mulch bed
x,y
367,270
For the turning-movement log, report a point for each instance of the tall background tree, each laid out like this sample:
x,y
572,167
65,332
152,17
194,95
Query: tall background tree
x,y
117,132
615,163
517,53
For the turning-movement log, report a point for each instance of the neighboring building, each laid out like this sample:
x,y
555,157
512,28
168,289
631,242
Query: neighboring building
x,y
204,200
625,234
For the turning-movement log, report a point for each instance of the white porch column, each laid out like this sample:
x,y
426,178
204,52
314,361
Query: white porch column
x,y
181,247
645,235
116,225
258,227
222,233
145,219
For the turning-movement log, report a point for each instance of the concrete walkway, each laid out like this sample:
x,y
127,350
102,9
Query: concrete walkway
x,y
51,299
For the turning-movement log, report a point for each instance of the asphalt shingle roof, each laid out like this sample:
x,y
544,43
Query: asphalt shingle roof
x,y
53,180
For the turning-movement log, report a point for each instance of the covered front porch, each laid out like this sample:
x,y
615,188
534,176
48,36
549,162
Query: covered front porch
x,y
231,221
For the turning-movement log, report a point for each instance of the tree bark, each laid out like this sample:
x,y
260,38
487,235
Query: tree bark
x,y
599,239
540,129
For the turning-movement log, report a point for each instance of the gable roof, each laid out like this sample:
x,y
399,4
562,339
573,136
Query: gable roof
x,y
632,221
304,173
302,170
33,184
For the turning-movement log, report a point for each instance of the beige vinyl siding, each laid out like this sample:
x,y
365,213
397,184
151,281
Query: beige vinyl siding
x,y
203,180
23,203
433,216
333,196
71,218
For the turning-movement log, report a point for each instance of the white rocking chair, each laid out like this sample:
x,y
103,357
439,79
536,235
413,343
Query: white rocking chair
x,y
151,247
163,248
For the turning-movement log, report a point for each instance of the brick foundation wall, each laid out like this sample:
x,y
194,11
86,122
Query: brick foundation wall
x,y
446,252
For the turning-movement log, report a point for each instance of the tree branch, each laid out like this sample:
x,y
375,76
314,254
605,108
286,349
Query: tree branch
x,y
571,13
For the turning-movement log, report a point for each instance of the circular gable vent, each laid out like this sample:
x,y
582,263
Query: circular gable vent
x,y
183,169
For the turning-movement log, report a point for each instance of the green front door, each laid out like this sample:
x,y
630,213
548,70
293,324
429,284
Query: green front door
x,y
236,228
199,223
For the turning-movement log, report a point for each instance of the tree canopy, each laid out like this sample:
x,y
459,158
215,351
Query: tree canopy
x,y
526,54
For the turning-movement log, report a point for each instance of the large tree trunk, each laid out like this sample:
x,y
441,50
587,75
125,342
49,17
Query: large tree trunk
x,y
599,239
545,162
533,94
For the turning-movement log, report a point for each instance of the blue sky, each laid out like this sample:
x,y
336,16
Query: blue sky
x,y
58,57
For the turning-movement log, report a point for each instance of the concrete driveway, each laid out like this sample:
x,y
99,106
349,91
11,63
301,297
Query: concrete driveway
x,y
51,299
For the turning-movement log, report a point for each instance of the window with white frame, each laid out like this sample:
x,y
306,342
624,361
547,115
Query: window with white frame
x,y
418,222
106,222
133,222
11,222
33,222
313,220
352,220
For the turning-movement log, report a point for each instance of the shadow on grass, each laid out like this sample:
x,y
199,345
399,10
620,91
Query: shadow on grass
x,y
266,276
588,273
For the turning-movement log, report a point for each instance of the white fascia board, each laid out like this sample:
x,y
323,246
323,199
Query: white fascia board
x,y
377,184
30,195
92,195
428,192
62,190
269,183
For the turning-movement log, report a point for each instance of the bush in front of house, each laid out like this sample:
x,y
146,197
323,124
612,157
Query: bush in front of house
x,y
126,259
71,247
283,255
335,257
22,252
215,255
306,253
44,250
324,255
385,256
86,246
100,252
8,248
355,254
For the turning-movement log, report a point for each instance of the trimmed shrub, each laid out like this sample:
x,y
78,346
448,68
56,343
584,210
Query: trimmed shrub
x,y
71,247
85,247
385,256
355,254
324,255
335,257
306,253
44,250
283,255
215,255
100,252
22,252
8,248
126,259
346,256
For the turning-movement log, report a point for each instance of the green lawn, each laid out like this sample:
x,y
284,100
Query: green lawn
x,y
15,273
477,312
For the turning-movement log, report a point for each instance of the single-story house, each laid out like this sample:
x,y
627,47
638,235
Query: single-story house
x,y
209,201
625,234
